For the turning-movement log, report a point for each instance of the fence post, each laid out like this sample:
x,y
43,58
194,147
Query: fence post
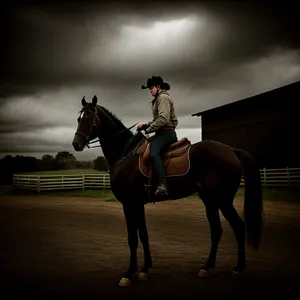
x,y
38,184
107,182
83,179
265,176
288,175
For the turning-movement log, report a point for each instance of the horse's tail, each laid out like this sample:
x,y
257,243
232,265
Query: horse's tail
x,y
253,205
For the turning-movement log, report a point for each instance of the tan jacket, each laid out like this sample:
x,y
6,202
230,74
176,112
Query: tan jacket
x,y
163,112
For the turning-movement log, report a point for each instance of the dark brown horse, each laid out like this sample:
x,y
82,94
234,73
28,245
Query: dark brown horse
x,y
209,168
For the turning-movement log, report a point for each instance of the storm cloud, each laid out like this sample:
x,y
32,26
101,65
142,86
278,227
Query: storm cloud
x,y
210,53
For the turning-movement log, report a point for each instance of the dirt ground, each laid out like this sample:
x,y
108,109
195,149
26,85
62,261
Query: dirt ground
x,y
77,248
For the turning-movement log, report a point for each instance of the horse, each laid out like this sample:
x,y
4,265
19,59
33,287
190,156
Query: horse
x,y
209,168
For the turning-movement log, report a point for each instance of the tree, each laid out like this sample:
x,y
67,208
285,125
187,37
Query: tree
x,y
47,157
10,165
65,160
100,164
48,162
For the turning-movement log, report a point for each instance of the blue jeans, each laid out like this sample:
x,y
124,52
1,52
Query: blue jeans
x,y
160,142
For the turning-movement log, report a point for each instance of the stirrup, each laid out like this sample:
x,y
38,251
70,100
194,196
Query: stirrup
x,y
165,192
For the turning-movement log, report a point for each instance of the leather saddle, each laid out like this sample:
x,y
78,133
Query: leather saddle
x,y
175,157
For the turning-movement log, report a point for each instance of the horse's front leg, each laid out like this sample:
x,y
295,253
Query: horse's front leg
x,y
130,213
143,233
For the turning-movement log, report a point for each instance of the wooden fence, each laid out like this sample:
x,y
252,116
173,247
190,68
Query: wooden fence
x,y
39,183
281,177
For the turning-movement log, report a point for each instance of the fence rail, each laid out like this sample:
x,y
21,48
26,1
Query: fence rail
x,y
39,183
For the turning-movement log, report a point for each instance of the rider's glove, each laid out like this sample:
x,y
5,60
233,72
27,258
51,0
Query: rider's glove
x,y
141,127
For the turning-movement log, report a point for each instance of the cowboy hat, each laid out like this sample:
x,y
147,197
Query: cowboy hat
x,y
155,81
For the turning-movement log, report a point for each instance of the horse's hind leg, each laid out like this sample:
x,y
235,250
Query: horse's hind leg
x,y
212,213
238,226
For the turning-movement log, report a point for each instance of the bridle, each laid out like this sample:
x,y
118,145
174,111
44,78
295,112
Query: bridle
x,y
94,124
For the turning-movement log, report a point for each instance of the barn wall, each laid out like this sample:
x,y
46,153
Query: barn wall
x,y
267,126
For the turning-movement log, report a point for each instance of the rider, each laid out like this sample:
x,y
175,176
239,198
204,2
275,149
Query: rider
x,y
163,124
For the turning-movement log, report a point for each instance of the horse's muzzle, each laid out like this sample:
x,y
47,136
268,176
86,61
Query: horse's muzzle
x,y
77,147
79,141
77,144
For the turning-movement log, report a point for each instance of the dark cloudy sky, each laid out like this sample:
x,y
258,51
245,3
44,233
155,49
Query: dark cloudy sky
x,y
211,53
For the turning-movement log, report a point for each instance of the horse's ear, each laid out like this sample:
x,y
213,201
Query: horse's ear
x,y
83,102
94,100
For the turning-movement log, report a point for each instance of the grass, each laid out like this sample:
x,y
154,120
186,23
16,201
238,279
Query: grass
x,y
284,194
269,194
105,195
64,172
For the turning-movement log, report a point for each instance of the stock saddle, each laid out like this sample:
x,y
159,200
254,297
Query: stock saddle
x,y
175,157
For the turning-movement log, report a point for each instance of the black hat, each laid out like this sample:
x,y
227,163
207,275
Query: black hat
x,y
154,81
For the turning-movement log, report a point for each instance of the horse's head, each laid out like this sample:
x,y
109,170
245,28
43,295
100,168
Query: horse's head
x,y
88,124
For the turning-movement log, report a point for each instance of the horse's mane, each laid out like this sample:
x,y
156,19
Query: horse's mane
x,y
116,120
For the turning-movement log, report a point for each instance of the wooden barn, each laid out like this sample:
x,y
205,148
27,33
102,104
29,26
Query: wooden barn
x,y
267,125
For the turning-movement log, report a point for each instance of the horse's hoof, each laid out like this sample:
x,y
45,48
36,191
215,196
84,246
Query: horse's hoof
x,y
143,276
235,274
203,274
125,282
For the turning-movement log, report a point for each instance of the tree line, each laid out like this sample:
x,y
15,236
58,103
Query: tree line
x,y
63,160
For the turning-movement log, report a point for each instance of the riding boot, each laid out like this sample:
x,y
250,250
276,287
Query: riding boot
x,y
162,188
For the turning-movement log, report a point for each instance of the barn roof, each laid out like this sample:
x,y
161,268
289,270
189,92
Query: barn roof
x,y
248,99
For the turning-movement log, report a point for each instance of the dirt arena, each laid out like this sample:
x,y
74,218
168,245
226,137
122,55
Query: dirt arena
x,y
77,248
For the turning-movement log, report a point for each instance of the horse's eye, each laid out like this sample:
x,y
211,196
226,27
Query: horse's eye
x,y
78,119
